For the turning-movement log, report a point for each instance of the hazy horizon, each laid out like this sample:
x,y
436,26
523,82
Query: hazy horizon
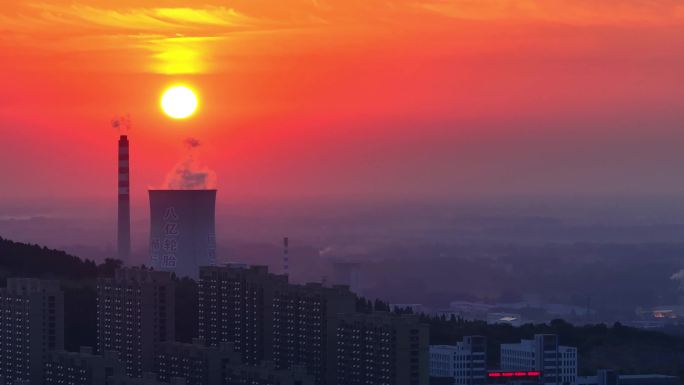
x,y
400,100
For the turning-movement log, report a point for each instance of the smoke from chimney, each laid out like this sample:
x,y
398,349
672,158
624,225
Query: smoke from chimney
x,y
679,276
122,124
189,174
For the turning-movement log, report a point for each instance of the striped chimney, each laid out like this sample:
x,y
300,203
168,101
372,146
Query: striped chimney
x,y
124,218
286,256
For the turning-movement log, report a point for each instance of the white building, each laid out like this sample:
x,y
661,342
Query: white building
x,y
558,364
465,362
611,377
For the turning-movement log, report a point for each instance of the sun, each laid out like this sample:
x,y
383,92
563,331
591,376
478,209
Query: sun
x,y
179,102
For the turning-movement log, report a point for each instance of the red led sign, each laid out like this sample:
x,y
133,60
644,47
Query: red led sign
x,y
514,374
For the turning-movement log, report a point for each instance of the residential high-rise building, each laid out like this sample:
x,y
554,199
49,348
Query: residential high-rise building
x,y
465,362
135,313
303,320
236,306
81,368
266,318
558,364
31,325
381,349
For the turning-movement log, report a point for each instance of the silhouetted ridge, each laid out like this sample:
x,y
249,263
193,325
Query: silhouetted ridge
x,y
77,278
28,260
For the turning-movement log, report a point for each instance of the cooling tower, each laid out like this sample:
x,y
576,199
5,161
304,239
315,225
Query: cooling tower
x,y
182,233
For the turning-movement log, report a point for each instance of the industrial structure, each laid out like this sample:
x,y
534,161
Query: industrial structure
x,y
124,202
182,232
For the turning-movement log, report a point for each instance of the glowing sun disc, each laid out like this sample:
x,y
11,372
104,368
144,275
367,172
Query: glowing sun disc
x,y
179,102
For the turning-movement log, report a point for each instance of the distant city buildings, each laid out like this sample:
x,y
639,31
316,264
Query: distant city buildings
x,y
558,364
31,326
514,313
135,313
465,362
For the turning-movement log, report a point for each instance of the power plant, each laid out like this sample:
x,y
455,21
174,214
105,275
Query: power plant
x,y
182,232
124,203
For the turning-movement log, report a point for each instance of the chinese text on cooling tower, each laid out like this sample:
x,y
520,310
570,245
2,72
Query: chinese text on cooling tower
x,y
164,250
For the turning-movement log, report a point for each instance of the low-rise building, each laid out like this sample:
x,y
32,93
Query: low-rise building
x,y
199,364
266,374
465,362
146,378
557,363
611,377
81,368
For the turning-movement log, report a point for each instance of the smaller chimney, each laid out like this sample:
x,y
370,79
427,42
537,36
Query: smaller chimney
x,y
286,257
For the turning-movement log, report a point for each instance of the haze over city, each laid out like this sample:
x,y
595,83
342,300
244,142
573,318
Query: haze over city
x,y
479,164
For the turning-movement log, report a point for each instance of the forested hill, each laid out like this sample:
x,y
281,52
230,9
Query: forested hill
x,y
26,260
77,277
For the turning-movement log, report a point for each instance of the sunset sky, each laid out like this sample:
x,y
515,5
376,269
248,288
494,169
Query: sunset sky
x,y
401,98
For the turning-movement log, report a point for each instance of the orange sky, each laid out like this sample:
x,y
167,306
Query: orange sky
x,y
347,96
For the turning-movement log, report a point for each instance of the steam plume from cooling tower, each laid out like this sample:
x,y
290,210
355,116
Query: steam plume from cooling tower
x,y
189,173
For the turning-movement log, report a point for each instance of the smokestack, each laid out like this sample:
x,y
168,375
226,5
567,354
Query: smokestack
x,y
124,217
286,257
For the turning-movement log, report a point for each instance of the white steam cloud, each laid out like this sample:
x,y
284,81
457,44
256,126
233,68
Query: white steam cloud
x,y
189,174
678,276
